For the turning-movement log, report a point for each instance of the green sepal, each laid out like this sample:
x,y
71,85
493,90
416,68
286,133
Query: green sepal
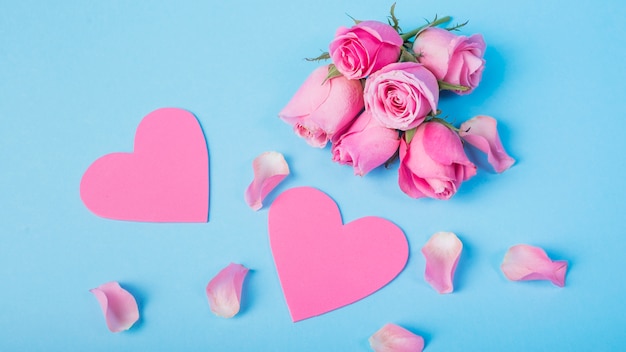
x,y
457,26
409,134
323,56
407,56
448,86
354,19
393,20
332,73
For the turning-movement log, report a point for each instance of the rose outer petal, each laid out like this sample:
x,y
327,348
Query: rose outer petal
x,y
523,262
442,252
270,168
481,132
118,306
224,290
393,338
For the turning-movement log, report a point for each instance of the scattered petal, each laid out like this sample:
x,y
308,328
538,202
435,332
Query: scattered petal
x,y
224,290
270,168
523,262
442,252
481,132
393,338
118,306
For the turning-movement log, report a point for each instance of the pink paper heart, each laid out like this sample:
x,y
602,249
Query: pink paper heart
x,y
323,264
165,179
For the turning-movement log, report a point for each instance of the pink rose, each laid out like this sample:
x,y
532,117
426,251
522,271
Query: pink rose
x,y
317,111
365,48
434,163
365,145
454,59
401,95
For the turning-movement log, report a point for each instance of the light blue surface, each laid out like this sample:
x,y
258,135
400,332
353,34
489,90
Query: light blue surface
x,y
76,77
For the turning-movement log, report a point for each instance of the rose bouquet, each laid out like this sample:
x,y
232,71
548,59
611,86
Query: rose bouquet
x,y
378,101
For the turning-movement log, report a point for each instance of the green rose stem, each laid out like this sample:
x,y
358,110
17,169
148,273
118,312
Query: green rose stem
x,y
436,22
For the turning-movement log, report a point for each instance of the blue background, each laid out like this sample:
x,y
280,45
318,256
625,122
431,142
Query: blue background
x,y
76,77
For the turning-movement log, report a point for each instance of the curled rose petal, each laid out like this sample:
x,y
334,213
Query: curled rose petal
x,y
270,168
481,132
118,306
442,252
393,338
224,290
523,262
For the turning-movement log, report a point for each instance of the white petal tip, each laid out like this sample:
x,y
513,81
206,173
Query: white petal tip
x,y
270,168
442,252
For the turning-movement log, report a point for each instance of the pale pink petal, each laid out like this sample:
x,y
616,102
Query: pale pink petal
x,y
118,306
393,338
270,168
442,252
523,262
224,290
481,132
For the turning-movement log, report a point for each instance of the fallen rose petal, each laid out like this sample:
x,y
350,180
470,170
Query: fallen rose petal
x,y
224,290
523,262
270,168
442,252
118,306
393,338
481,132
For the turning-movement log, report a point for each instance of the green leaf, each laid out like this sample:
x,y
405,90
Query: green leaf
x,y
409,134
324,56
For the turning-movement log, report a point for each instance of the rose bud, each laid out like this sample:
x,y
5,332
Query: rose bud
x,y
454,59
321,106
434,163
365,48
365,145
